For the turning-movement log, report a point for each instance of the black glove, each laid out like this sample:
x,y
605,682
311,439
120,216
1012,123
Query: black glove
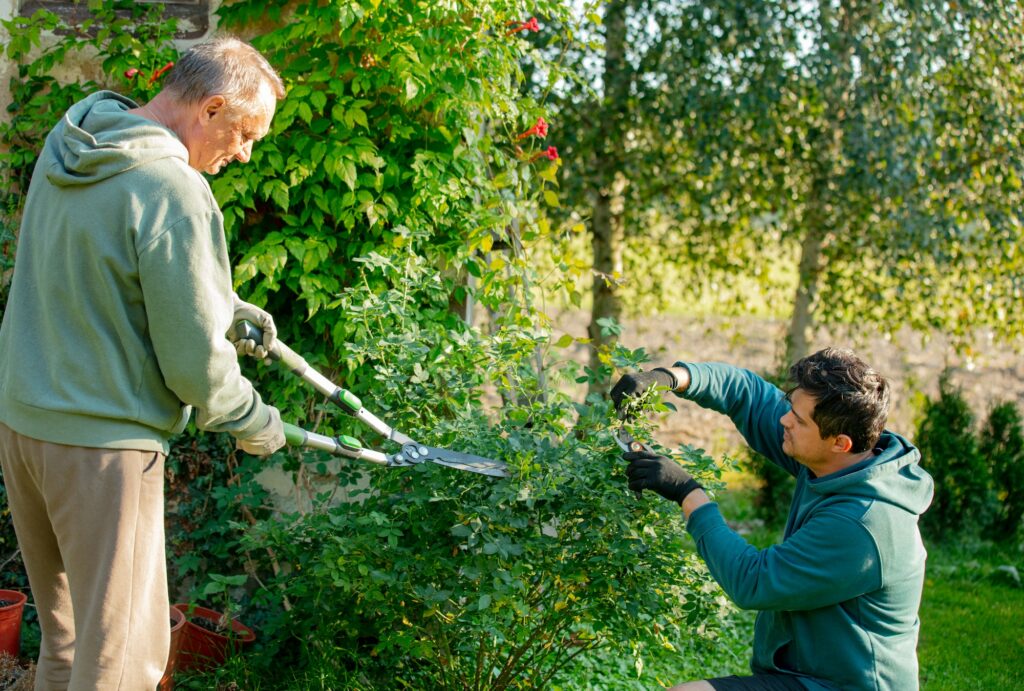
x,y
635,384
663,475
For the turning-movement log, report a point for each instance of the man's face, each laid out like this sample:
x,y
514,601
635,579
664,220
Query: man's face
x,y
223,134
802,438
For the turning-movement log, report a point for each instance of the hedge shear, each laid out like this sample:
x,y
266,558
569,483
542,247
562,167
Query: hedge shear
x,y
411,453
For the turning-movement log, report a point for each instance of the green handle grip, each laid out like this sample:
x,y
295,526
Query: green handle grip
x,y
294,436
342,445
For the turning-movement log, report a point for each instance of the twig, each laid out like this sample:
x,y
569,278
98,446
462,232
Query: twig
x,y
11,558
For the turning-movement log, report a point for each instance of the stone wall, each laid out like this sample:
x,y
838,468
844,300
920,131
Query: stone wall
x,y
82,65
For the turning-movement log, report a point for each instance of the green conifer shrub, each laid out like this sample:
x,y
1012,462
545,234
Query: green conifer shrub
x,y
1002,446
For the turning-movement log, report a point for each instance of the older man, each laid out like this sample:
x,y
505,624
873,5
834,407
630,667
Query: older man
x,y
114,330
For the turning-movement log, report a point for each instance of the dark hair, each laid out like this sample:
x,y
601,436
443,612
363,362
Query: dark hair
x,y
850,397
226,66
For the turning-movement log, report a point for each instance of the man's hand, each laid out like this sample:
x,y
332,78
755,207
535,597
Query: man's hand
x,y
260,318
632,385
662,475
267,440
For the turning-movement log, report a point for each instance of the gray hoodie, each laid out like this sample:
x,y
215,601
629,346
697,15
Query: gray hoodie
x,y
121,297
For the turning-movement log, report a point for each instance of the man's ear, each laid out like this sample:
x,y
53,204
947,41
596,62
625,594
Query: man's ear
x,y
842,443
211,106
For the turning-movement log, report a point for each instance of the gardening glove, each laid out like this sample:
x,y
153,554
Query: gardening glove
x,y
259,317
631,385
647,470
267,440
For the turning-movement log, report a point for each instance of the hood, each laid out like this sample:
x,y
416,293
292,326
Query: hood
x,y
893,475
97,139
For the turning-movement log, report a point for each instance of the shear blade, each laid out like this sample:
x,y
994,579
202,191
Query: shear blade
x,y
465,461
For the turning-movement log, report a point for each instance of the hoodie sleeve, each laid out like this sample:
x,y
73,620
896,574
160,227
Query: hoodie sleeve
x,y
754,405
830,559
186,284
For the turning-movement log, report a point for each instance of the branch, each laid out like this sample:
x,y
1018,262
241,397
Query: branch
x,y
11,558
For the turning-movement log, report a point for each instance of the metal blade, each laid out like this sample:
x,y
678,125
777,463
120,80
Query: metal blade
x,y
465,461
626,441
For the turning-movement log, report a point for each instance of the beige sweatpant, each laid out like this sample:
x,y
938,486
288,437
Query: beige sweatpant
x,y
90,526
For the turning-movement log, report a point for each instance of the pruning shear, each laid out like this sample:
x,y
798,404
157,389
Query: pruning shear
x,y
627,442
412,452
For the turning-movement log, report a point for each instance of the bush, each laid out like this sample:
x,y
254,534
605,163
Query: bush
x,y
394,173
963,503
433,578
1002,445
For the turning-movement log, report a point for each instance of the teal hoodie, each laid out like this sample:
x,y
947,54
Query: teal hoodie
x,y
121,296
838,598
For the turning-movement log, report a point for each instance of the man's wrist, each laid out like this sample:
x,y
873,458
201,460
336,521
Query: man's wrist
x,y
693,501
680,377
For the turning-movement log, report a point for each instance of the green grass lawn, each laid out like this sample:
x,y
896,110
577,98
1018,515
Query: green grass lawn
x,y
972,625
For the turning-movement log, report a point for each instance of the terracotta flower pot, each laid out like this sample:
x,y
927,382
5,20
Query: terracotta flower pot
x,y
10,621
177,631
202,649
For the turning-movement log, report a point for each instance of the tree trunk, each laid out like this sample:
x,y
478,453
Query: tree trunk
x,y
838,26
801,326
607,238
607,225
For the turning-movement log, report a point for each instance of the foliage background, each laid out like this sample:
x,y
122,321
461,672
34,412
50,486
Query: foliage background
x,y
411,243
394,187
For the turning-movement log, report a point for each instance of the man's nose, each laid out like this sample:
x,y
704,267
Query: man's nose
x,y
245,153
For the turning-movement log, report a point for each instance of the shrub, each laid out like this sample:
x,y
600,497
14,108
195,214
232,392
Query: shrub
x,y
963,501
432,578
394,172
1002,446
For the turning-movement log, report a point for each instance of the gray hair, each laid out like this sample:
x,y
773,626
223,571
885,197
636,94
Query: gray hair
x,y
226,66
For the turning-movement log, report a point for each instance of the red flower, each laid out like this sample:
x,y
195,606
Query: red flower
x,y
540,130
551,153
156,75
131,73
530,25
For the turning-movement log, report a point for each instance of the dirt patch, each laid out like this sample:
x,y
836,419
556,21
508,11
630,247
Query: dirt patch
x,y
913,366
14,676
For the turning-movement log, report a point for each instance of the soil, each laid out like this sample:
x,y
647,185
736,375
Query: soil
x,y
992,374
6,603
210,625
14,676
